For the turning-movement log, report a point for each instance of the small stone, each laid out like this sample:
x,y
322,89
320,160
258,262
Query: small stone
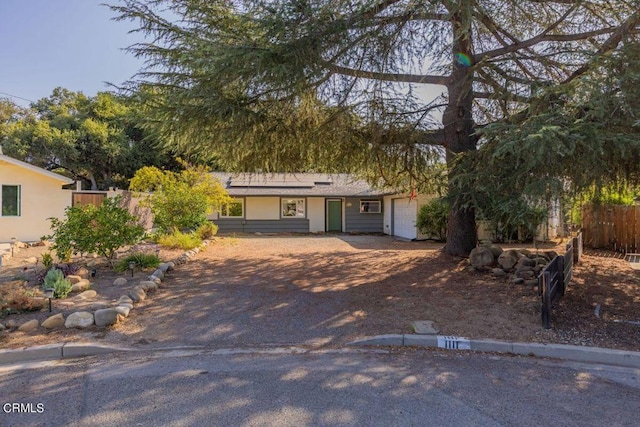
x,y
531,282
106,317
29,326
498,272
55,321
98,306
424,327
148,285
123,310
159,274
83,273
74,278
11,324
525,262
518,281
90,294
172,266
525,274
164,267
124,299
155,280
120,281
126,304
82,285
137,294
79,319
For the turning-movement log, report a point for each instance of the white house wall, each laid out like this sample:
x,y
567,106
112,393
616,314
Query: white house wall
x,y
41,197
316,213
262,208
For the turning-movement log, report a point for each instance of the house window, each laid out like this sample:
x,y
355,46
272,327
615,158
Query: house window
x,y
234,209
10,200
293,208
370,206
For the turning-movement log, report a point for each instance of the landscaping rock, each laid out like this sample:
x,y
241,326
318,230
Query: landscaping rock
x,y
155,280
74,278
123,310
531,282
481,257
82,285
106,317
159,274
164,267
550,254
2,327
495,250
541,260
124,299
518,281
525,262
10,324
525,274
120,281
498,272
29,326
53,322
525,252
98,306
508,259
126,304
171,266
83,273
90,294
148,285
79,319
137,294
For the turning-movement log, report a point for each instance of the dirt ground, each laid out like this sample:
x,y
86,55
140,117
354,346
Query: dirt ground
x,y
329,290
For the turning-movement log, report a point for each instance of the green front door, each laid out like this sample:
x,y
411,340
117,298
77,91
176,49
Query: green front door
x,y
334,215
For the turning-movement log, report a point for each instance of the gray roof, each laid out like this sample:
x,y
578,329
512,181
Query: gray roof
x,y
298,184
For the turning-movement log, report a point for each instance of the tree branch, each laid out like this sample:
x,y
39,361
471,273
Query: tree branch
x,y
392,77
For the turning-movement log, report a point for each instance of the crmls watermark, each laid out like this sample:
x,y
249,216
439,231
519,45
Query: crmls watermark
x,y
23,408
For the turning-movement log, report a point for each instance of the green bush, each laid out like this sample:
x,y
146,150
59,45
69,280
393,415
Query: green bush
x,y
432,219
142,259
47,259
55,279
207,230
179,240
91,229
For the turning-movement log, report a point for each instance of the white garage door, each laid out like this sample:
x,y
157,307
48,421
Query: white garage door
x,y
405,212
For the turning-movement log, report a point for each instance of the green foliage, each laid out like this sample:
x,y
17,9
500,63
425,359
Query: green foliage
x,y
47,259
180,200
91,229
143,261
179,240
432,219
207,230
55,279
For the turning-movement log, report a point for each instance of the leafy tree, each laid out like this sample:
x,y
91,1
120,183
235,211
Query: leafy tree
x,y
95,139
90,229
180,200
334,85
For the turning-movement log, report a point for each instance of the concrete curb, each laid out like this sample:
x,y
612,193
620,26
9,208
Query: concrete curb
x,y
575,353
55,351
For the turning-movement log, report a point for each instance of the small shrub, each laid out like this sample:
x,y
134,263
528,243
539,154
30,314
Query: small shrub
x,y
47,260
16,297
55,279
143,260
179,240
66,269
432,219
207,230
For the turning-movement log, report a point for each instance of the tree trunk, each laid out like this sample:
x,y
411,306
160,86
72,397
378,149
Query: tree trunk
x,y
459,136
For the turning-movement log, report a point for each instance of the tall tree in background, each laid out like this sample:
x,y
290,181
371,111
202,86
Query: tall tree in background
x,y
95,139
334,85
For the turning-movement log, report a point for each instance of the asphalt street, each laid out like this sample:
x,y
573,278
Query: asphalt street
x,y
295,387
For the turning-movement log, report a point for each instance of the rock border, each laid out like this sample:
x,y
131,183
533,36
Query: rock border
x,y
108,316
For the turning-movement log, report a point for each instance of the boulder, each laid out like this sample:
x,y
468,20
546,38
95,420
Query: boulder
x,y
74,278
525,262
90,294
120,281
164,267
159,274
79,319
496,250
498,272
525,252
124,299
123,310
82,285
525,274
106,317
55,321
481,257
29,326
137,294
508,259
148,286
541,260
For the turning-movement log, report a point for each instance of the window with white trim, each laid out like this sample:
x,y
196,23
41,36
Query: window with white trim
x,y
370,206
293,208
234,209
10,200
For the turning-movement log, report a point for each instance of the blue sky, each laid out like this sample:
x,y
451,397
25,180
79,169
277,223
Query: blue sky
x,y
69,43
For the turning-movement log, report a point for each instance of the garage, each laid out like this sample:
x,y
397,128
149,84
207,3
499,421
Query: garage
x,y
405,213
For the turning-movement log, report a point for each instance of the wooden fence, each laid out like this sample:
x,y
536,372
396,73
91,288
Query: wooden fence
x,y
612,227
